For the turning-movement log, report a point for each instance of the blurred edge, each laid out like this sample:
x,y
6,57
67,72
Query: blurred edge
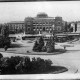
x,y
33,0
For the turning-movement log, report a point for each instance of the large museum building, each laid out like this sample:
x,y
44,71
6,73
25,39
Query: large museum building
x,y
43,23
39,24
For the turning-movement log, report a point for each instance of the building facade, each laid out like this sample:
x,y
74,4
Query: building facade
x,y
76,27
43,23
16,27
37,25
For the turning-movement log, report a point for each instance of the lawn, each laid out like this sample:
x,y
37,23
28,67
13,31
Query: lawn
x,y
69,59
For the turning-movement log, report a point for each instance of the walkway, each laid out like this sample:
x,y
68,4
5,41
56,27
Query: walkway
x,y
69,59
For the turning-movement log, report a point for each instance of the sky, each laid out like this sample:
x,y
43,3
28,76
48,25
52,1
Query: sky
x,y
17,11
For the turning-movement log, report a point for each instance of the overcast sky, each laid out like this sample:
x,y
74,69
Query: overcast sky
x,y
17,11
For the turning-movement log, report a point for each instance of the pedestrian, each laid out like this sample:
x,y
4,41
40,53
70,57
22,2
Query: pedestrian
x,y
5,47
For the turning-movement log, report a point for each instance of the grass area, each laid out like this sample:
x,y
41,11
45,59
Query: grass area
x,y
52,70
24,46
56,70
25,65
67,58
17,48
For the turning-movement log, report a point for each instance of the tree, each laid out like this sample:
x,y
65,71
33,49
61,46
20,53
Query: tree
x,y
35,47
5,31
4,38
1,55
0,28
38,44
50,45
75,27
41,43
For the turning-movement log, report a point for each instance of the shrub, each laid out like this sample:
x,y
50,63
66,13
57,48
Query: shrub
x,y
4,67
23,65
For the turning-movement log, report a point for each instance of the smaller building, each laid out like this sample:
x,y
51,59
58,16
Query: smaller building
x,y
16,27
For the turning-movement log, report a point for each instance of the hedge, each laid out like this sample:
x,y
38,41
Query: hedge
x,y
23,65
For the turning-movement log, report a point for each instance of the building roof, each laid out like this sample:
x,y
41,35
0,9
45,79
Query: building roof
x,y
16,22
49,19
42,15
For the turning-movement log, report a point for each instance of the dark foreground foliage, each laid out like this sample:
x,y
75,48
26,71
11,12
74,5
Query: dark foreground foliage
x,y
25,65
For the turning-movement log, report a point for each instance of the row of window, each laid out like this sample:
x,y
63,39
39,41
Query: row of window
x,y
42,24
16,24
18,27
43,27
59,28
43,21
40,32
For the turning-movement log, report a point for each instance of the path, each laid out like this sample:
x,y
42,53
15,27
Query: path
x,y
69,59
